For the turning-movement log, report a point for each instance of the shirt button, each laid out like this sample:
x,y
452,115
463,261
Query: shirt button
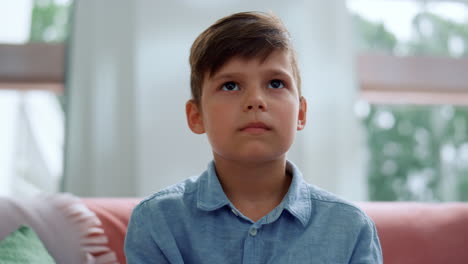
x,y
253,231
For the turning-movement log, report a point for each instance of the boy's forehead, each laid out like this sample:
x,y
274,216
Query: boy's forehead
x,y
279,60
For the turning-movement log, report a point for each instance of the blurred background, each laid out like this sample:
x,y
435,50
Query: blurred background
x,y
92,95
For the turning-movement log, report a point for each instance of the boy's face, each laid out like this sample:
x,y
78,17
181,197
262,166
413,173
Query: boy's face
x,y
250,109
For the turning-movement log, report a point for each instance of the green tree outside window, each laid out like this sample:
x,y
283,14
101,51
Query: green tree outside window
x,y
417,153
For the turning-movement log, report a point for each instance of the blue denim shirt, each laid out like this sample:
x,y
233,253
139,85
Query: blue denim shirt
x,y
194,222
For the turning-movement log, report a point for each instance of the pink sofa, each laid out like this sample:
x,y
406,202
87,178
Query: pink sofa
x,y
410,233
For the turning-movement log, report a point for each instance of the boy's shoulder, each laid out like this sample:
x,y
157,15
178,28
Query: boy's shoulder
x,y
331,203
172,194
313,200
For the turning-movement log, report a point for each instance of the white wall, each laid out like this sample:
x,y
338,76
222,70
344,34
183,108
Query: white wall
x,y
141,70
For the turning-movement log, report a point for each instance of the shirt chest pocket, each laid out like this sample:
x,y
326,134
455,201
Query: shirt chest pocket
x,y
215,244
308,253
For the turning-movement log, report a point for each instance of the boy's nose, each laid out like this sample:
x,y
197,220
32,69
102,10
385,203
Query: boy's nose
x,y
255,102
259,106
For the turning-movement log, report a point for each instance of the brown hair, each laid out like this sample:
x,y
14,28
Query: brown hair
x,y
246,34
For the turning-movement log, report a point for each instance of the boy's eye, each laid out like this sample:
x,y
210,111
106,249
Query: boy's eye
x,y
230,86
276,84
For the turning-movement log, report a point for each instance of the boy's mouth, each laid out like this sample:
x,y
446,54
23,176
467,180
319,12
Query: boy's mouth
x,y
255,128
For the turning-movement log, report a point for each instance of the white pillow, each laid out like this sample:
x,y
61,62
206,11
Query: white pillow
x,y
69,230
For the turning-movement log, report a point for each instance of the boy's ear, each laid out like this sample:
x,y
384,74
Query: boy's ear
x,y
194,117
302,117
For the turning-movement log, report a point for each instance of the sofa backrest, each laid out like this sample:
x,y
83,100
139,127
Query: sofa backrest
x,y
410,233
421,233
114,214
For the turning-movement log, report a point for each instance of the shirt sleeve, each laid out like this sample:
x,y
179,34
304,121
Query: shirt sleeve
x,y
367,249
140,247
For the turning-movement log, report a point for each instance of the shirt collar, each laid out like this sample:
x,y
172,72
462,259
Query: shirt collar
x,y
210,192
296,201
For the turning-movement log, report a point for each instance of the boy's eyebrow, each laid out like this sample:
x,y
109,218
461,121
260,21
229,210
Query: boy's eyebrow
x,y
229,75
278,72
232,75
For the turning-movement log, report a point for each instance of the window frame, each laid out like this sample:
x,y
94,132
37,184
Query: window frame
x,y
381,78
389,79
33,66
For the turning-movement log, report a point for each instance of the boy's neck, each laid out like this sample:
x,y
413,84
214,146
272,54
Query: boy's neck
x,y
254,188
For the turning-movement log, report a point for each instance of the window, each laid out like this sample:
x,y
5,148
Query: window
x,y
412,64
31,95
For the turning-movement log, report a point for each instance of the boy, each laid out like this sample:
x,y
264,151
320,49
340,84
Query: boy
x,y
251,205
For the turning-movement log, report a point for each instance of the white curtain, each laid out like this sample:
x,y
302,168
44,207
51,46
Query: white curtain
x,y
129,81
31,122
101,87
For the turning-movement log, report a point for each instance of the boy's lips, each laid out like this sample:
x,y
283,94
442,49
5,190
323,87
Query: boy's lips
x,y
255,128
